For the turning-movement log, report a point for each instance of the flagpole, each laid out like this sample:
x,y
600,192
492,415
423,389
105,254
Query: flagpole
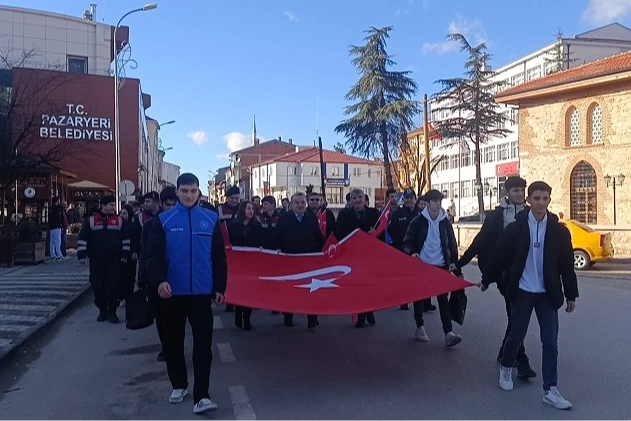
x,y
428,170
321,167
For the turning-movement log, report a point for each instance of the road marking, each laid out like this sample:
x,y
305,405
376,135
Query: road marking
x,y
217,323
14,328
35,291
16,318
225,353
5,342
241,403
19,307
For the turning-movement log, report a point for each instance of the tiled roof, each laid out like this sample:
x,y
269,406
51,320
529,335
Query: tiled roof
x,y
607,66
313,155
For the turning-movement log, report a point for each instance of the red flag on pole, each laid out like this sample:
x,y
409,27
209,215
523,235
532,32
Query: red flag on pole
x,y
350,280
382,222
322,221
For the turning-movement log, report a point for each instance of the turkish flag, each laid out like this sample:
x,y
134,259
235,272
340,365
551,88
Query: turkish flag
x,y
225,235
322,221
331,241
382,222
356,277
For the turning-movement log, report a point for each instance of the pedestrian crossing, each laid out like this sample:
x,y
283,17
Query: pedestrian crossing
x,y
30,296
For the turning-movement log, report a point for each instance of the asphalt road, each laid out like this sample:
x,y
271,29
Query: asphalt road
x,y
84,370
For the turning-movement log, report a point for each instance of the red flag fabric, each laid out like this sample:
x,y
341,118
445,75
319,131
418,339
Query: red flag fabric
x,y
225,235
382,222
322,221
331,241
356,277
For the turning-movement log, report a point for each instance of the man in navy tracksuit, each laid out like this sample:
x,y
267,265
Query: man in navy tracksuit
x,y
186,259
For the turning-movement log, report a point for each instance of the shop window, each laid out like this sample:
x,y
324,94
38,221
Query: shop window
x,y
77,64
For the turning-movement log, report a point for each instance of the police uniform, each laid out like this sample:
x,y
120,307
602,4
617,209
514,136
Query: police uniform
x,y
268,222
225,211
105,240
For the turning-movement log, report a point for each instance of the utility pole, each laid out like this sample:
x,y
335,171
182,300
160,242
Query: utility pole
x,y
428,170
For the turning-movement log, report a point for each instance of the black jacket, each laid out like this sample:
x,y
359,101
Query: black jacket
x,y
511,253
348,220
398,224
268,223
144,236
484,243
74,216
416,235
56,217
140,219
104,236
295,237
241,235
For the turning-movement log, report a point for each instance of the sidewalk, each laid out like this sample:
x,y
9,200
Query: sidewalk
x,y
618,268
33,296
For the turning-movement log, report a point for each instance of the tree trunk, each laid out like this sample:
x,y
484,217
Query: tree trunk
x,y
386,155
478,181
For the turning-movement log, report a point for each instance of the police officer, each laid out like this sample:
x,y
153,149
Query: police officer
x,y
105,239
400,220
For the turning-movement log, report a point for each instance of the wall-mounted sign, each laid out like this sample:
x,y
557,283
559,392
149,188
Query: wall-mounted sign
x,y
76,125
29,192
338,182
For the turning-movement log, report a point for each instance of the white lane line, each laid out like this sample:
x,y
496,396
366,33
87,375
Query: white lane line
x,y
18,318
217,323
5,342
19,307
241,403
225,353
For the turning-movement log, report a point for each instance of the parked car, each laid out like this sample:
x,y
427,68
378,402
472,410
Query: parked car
x,y
590,246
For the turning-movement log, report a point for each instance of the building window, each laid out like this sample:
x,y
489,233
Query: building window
x,y
77,64
357,172
454,190
518,79
369,172
488,154
583,193
444,164
445,188
501,123
270,171
465,188
490,182
465,159
435,186
453,161
334,195
514,116
335,171
514,150
595,125
314,170
573,127
503,152
533,73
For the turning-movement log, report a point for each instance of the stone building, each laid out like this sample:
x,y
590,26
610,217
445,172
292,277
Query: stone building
x,y
575,134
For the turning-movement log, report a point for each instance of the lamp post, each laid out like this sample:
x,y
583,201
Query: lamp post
x,y
144,8
617,180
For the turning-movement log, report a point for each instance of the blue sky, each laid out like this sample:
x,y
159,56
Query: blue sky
x,y
212,64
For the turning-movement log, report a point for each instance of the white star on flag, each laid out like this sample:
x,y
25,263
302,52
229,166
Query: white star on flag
x,y
316,284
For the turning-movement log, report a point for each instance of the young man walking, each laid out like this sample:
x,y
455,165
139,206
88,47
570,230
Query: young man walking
x,y
186,259
483,246
430,238
536,254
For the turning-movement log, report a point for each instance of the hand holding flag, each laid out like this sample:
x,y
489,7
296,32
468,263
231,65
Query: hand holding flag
x,y
382,223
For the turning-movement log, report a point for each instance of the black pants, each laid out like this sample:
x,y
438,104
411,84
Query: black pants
x,y
521,351
243,312
127,279
105,274
198,310
548,318
310,317
156,301
443,307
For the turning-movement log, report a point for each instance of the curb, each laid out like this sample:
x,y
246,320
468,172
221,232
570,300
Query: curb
x,y
29,335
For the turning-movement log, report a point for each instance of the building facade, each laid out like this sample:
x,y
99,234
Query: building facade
x,y
283,176
499,158
575,134
170,173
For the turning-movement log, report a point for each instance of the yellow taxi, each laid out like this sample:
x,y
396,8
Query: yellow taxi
x,y
590,246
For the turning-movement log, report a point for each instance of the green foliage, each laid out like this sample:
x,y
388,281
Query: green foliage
x,y
470,101
339,148
557,59
382,109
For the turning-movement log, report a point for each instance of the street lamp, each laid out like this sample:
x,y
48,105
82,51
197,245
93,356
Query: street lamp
x,y
144,8
617,180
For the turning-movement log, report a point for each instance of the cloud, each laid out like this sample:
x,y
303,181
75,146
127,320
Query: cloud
x,y
199,137
222,156
237,140
600,12
291,16
473,30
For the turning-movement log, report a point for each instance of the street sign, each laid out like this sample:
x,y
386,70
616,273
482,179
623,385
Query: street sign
x,y
337,182
126,188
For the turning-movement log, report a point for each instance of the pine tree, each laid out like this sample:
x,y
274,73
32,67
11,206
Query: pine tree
x,y
384,109
471,102
557,59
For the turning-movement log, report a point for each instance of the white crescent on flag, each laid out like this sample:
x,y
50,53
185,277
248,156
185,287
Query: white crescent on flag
x,y
311,274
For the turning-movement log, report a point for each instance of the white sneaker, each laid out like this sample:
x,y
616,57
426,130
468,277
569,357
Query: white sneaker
x,y
421,334
553,397
177,396
451,339
506,378
204,405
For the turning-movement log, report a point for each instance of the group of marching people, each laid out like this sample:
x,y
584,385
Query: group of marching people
x,y
178,246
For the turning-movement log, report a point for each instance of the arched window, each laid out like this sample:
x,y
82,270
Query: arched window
x,y
583,193
595,121
573,127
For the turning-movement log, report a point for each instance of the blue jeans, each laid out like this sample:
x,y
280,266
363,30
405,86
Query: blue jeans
x,y
55,243
548,318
